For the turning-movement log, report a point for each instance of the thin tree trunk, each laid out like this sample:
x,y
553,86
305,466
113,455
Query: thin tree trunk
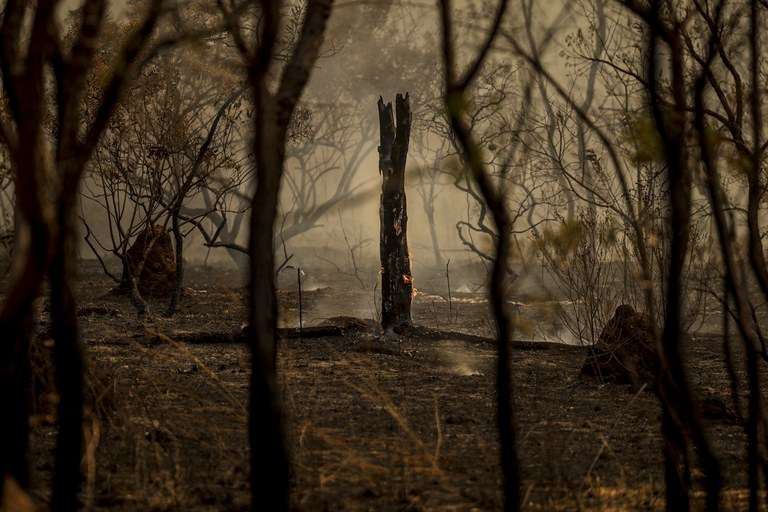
x,y
269,454
509,460
455,103
178,242
679,415
676,471
396,279
16,324
129,283
68,357
15,399
270,476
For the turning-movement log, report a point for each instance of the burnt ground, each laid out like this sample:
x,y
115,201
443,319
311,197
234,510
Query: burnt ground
x,y
373,424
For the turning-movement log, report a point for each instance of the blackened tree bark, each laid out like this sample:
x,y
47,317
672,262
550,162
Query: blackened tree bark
x,y
396,279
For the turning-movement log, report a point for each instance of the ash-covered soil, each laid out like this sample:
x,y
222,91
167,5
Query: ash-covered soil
x,y
373,424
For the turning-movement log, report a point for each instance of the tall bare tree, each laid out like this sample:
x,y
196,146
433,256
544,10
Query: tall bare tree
x,y
26,59
273,113
455,87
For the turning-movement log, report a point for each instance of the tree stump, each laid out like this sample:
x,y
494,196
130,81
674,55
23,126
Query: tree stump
x,y
396,279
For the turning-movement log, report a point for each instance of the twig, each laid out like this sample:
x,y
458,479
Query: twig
x,y
450,299
439,440
301,320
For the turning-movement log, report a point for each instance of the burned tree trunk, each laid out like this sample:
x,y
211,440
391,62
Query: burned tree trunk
x,y
396,281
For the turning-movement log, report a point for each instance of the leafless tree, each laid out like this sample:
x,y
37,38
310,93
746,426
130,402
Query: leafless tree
x,y
429,186
456,86
29,53
146,174
273,110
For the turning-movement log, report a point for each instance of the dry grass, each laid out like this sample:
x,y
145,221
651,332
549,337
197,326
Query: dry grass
x,y
407,427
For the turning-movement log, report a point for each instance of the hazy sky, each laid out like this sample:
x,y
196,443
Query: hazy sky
x,y
452,204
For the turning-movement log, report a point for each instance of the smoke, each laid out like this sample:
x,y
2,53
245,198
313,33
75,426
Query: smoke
x,y
459,360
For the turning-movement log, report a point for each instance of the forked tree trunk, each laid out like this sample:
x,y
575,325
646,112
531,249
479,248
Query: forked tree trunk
x,y
270,463
396,280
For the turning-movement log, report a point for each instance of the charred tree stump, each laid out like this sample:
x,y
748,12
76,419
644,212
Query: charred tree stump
x,y
396,280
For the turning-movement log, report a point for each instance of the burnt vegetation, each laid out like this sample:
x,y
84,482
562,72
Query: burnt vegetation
x,y
383,255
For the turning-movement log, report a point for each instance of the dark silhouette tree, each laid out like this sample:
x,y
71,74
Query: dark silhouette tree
x,y
273,112
456,86
26,58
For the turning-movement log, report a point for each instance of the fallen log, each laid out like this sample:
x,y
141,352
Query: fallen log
x,y
345,327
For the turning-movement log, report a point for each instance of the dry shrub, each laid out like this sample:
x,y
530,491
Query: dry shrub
x,y
581,255
595,265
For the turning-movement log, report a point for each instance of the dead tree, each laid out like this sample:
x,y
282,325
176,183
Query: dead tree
x,y
396,280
